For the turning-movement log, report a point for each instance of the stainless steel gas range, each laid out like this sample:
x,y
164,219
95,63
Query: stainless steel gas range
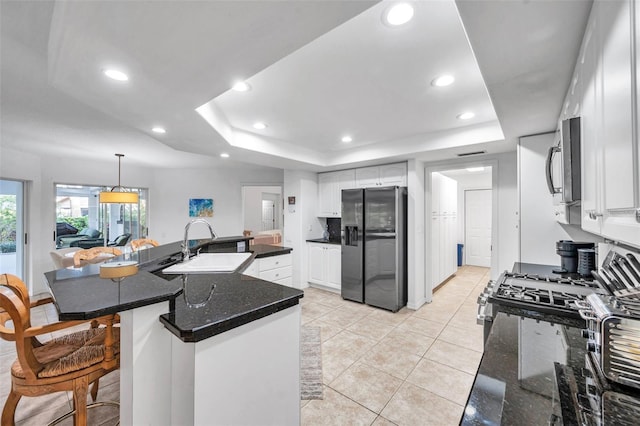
x,y
534,294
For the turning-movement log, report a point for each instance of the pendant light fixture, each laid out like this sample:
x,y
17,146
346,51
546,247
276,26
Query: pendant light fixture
x,y
117,194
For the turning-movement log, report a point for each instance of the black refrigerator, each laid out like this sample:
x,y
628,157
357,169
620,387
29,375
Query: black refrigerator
x,y
374,261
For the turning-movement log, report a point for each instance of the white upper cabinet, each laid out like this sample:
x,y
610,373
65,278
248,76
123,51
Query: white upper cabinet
x,y
610,159
330,186
387,175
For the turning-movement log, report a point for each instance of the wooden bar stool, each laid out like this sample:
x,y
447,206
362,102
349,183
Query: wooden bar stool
x,y
67,363
94,255
143,243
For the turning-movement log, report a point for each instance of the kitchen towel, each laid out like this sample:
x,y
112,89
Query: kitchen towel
x,y
310,363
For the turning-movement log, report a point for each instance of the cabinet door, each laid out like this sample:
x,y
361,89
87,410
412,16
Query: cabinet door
x,y
435,250
436,190
444,247
590,152
448,195
393,174
617,137
620,165
326,196
316,263
333,262
367,177
345,179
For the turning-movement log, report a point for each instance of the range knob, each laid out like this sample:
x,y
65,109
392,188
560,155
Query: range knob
x,y
591,346
586,333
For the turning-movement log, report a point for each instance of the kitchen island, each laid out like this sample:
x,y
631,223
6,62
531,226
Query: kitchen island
x,y
223,340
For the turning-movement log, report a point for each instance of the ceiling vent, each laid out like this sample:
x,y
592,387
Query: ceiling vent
x,y
466,154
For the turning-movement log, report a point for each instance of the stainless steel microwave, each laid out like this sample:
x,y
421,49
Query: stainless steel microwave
x,y
563,172
563,163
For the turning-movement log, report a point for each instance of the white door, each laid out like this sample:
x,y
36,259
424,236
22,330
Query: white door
x,y
478,227
268,215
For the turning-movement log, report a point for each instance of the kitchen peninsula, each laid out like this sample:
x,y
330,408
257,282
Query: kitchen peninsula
x,y
197,348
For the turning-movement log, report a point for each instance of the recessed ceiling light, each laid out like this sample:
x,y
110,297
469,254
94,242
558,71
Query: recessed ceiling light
x,y
475,169
224,155
241,86
398,14
160,130
116,74
443,80
466,115
347,139
259,125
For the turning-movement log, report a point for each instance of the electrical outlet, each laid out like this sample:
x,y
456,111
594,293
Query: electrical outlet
x,y
311,228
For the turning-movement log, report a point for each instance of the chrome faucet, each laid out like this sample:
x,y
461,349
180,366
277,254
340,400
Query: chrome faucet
x,y
185,243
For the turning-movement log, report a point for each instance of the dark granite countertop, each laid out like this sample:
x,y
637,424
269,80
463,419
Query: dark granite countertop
x,y
214,303
534,371
209,304
264,250
323,241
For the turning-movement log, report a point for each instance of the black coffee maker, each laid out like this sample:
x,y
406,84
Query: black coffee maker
x,y
568,251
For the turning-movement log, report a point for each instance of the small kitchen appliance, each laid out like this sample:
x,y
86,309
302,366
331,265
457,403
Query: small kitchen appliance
x,y
568,251
613,335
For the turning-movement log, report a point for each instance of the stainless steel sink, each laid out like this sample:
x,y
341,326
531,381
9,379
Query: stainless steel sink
x,y
209,262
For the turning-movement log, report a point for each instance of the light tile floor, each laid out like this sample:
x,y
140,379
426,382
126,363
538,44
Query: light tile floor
x,y
407,368
379,368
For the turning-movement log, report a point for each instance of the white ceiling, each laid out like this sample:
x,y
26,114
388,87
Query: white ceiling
x,y
318,70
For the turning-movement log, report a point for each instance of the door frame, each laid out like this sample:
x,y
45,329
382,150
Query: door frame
x,y
22,229
453,165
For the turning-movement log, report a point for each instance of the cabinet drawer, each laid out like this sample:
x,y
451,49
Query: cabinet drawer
x,y
267,263
276,274
285,281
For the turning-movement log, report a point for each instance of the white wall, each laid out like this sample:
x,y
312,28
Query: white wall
x,y
252,205
539,229
300,221
169,193
417,293
170,205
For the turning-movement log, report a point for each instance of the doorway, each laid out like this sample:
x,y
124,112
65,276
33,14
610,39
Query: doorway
x,y
262,209
478,227
450,212
12,227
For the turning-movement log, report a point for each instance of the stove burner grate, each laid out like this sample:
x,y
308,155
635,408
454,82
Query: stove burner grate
x,y
549,294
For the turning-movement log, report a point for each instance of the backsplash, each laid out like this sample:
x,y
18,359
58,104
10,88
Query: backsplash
x,y
333,226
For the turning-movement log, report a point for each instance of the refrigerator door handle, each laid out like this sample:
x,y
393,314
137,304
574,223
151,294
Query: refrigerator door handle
x,y
382,234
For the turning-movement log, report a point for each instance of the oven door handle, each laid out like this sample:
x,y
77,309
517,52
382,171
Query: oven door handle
x,y
549,164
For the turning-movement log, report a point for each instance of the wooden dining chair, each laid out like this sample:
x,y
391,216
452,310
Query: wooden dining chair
x,y
94,255
143,243
67,363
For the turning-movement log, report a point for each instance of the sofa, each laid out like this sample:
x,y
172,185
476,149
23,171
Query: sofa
x,y
85,233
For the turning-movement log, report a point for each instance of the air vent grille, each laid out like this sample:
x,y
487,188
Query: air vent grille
x,y
466,154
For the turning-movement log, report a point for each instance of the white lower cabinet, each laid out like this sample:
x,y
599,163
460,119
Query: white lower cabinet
x,y
274,268
324,264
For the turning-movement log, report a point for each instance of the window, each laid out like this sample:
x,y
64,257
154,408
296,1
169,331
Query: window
x,y
80,216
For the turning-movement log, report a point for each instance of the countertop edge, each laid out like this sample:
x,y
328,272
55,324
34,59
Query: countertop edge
x,y
210,330
323,241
